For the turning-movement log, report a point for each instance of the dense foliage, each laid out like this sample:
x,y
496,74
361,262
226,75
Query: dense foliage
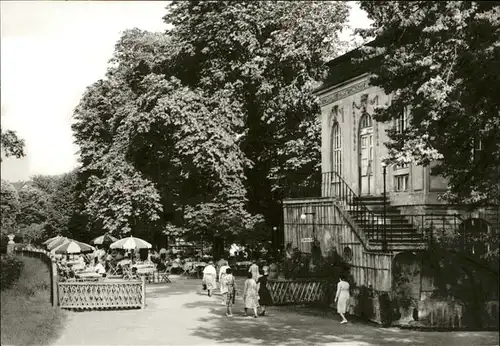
x,y
440,61
199,129
10,270
9,206
43,207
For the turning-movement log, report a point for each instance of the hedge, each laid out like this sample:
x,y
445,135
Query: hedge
x,y
10,270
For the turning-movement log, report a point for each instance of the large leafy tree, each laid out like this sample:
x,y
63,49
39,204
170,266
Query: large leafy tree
x,y
270,55
35,213
198,126
440,59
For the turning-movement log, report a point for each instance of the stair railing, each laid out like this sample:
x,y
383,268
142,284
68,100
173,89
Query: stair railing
x,y
432,227
333,185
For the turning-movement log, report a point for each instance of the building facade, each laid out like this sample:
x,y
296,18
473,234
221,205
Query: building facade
x,y
376,217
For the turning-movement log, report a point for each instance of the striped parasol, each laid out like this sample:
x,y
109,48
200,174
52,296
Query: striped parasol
x,y
72,246
57,242
130,243
104,239
52,239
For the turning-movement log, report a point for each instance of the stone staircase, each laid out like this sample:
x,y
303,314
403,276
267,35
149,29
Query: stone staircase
x,y
400,233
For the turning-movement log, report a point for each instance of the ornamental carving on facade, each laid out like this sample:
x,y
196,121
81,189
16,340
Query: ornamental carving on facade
x,y
343,93
336,115
366,106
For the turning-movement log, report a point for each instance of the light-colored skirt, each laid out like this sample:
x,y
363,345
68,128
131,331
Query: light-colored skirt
x,y
251,300
223,286
210,281
342,302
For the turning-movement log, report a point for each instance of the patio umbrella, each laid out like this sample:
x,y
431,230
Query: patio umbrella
x,y
73,246
104,239
130,243
55,243
52,239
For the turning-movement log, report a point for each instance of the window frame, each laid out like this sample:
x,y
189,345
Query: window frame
x,y
336,153
403,180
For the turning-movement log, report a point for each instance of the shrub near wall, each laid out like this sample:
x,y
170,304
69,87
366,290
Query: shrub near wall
x,y
10,270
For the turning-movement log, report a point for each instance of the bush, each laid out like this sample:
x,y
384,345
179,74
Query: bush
x,y
10,270
4,240
28,317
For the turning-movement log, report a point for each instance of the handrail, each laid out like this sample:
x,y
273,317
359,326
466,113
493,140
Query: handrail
x,y
335,186
425,224
401,228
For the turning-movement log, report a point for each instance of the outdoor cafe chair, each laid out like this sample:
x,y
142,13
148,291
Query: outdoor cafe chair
x,y
128,274
186,268
113,269
163,275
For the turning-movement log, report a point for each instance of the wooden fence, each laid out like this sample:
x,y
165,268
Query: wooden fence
x,y
44,256
297,292
102,295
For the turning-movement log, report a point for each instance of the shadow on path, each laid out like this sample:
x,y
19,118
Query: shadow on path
x,y
291,326
181,313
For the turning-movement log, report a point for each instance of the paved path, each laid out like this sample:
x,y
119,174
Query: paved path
x,y
180,313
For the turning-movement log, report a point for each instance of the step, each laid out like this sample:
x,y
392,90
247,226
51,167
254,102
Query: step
x,y
388,226
380,221
402,247
409,234
398,241
380,208
371,198
388,212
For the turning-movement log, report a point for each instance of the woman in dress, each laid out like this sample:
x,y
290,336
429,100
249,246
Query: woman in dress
x,y
264,294
342,297
222,274
250,295
230,284
254,270
210,277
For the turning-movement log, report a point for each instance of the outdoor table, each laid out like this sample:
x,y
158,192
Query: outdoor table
x,y
146,270
143,265
124,262
91,276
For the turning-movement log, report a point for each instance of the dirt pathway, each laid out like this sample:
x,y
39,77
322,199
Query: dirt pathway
x,y
181,314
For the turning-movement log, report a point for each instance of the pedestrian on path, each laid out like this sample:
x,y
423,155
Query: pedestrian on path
x,y
264,294
254,270
250,295
230,284
210,277
342,297
223,287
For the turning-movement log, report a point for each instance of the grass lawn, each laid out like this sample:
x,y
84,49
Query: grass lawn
x,y
28,317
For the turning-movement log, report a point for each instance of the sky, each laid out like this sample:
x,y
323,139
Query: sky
x,y
50,52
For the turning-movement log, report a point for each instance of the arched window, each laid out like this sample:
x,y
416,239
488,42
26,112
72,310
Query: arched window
x,y
336,149
366,121
366,145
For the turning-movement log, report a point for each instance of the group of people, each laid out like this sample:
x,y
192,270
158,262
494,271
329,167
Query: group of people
x,y
255,293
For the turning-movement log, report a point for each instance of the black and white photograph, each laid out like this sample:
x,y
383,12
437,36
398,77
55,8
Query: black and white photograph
x,y
250,173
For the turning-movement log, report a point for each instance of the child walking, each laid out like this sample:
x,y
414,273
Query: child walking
x,y
250,296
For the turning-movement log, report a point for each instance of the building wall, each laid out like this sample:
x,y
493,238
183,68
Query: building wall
x,y
344,105
334,233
